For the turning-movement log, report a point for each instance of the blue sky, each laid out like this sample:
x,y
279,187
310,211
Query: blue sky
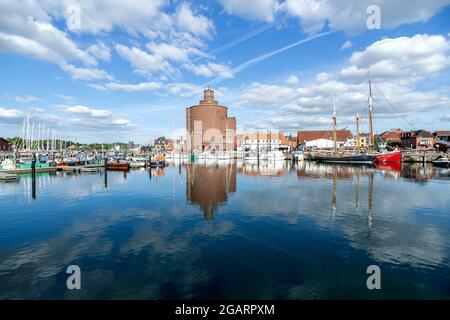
x,y
113,70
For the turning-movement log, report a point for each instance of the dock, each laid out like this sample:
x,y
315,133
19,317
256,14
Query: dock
x,y
53,169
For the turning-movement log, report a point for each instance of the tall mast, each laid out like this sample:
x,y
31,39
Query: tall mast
x,y
358,141
372,138
334,126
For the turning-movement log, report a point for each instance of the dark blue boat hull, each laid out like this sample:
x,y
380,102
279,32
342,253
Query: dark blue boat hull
x,y
349,159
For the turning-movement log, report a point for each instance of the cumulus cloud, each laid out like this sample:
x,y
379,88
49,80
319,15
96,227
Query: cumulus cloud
x,y
198,25
406,60
292,80
85,73
403,57
88,118
144,62
351,16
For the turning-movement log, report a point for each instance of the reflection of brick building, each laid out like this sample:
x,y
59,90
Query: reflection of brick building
x,y
209,186
418,140
208,124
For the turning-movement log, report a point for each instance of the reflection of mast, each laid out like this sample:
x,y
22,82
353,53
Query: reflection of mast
x,y
372,138
333,199
334,126
369,213
357,189
358,141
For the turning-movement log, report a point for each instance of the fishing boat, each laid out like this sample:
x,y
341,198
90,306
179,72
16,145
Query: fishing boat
x,y
8,177
442,162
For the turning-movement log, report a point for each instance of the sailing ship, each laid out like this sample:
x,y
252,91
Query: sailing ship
x,y
357,158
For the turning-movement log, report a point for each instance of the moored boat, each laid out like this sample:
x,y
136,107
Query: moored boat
x,y
442,162
118,166
9,177
354,159
389,157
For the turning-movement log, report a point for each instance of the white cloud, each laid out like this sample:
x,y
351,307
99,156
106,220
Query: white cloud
x,y
263,10
27,99
259,95
85,73
143,62
103,16
143,86
10,113
309,106
196,24
210,70
404,57
292,80
100,51
168,51
87,118
351,15
347,45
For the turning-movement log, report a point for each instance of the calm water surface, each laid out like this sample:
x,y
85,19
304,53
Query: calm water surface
x,y
280,231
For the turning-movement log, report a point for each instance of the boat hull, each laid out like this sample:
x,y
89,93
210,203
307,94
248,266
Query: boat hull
x,y
388,158
362,159
441,164
118,166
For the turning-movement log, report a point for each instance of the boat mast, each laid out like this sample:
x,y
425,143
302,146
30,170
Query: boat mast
x,y
358,144
334,126
372,138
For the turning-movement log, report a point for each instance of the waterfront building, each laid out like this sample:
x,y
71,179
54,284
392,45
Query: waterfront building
x,y
263,142
5,145
364,141
322,139
442,140
420,140
208,126
392,137
161,144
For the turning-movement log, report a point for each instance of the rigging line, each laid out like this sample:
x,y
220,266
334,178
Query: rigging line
x,y
387,112
393,107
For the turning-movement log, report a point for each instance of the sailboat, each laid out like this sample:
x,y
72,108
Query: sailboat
x,y
355,158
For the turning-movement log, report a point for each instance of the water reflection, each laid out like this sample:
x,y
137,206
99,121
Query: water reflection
x,y
209,185
284,231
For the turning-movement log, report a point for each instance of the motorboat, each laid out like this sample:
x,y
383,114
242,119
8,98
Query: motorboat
x,y
442,162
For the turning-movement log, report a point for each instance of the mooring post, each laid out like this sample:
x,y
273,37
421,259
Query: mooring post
x,y
33,176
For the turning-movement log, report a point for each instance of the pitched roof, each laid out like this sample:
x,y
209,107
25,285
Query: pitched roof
x,y
309,135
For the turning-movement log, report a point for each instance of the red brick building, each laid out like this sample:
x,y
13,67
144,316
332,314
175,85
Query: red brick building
x,y
5,145
392,137
420,140
208,124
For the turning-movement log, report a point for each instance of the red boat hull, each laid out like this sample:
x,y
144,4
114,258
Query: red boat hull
x,y
389,157
118,166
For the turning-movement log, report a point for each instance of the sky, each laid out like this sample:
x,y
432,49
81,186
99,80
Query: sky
x,y
112,70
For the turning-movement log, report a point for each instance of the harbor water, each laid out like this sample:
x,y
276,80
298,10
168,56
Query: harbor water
x,y
228,230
